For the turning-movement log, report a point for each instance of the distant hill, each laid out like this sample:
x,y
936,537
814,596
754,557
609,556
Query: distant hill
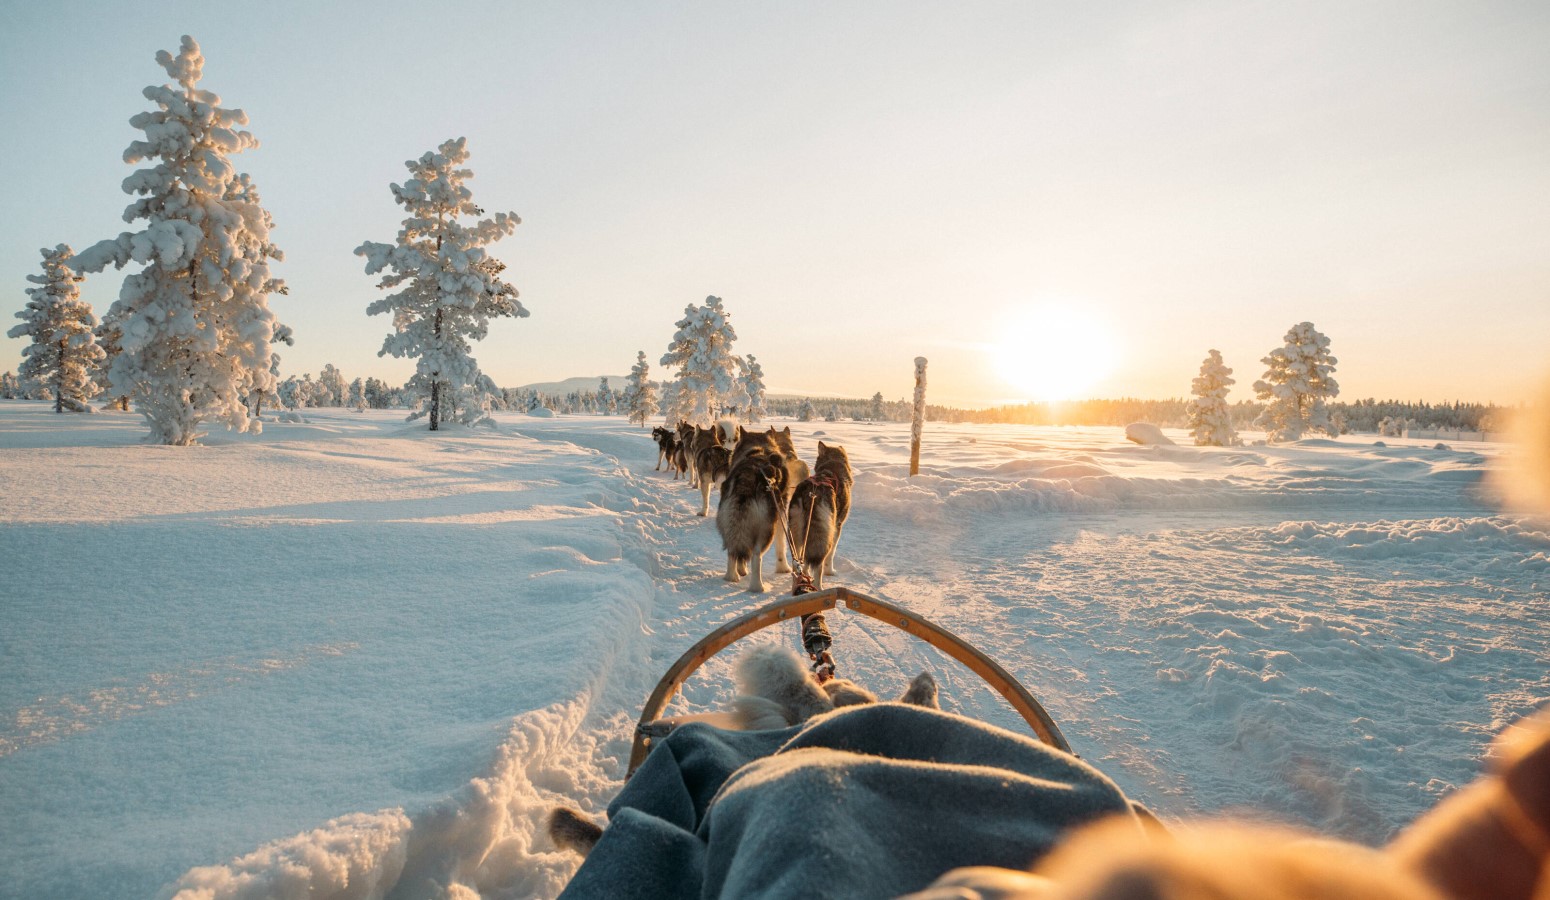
x,y
581,383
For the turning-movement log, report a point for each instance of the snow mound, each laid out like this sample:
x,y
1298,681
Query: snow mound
x,y
1147,434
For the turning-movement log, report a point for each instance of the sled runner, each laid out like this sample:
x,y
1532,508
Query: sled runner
x,y
800,609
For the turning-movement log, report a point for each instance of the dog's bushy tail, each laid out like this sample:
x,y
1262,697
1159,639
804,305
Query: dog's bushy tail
x,y
570,830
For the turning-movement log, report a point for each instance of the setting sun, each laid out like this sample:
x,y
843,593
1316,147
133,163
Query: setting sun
x,y
1053,352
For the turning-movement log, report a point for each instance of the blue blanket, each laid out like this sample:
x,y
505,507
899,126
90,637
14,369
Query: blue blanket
x,y
867,801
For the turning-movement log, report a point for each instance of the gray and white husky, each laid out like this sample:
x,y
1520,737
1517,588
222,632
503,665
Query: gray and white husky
x,y
819,507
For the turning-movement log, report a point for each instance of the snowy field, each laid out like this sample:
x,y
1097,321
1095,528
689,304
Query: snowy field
x,y
351,658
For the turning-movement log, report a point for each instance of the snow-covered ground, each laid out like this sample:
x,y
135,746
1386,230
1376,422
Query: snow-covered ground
x,y
351,658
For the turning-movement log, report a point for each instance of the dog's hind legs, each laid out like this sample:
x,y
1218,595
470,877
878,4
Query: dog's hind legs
x,y
781,566
756,575
704,495
828,561
732,569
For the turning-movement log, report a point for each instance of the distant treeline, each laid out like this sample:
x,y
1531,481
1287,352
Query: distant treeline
x,y
1359,415
1368,415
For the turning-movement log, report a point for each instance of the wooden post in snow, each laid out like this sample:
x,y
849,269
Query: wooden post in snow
x,y
919,418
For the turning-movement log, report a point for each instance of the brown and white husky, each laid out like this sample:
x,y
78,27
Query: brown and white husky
x,y
819,507
711,465
747,515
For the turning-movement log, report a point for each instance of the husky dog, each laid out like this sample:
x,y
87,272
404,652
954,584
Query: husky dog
x,y
666,441
682,460
747,516
685,434
711,465
819,507
775,690
795,474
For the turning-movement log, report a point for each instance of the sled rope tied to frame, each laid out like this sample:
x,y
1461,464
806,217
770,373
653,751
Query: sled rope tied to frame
x,y
815,631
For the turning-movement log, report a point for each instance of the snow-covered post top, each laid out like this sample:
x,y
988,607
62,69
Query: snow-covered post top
x,y
918,419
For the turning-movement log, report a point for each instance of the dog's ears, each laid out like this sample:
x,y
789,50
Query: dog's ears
x,y
786,432
821,447
739,432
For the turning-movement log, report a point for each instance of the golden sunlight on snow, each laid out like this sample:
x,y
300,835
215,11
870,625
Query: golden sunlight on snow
x,y
1051,352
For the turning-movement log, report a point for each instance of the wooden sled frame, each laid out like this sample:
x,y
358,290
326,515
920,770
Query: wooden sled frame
x,y
792,609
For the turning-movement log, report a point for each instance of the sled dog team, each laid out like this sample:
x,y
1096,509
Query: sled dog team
x,y
759,476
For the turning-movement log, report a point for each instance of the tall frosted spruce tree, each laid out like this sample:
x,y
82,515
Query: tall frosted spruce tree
x,y
1297,383
194,325
450,287
64,352
1209,418
639,399
750,384
702,351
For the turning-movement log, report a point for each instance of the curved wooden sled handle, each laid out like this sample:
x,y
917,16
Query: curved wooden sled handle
x,y
793,608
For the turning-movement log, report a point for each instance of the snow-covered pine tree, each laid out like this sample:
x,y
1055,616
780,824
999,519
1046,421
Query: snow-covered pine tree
x,y
378,394
109,337
805,411
1209,418
669,408
702,351
876,411
269,394
833,415
357,397
64,352
33,389
331,387
1297,383
640,395
605,397
750,382
290,393
195,322
10,386
309,393
450,287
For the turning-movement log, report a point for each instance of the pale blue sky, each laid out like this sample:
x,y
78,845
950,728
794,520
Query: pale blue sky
x,y
864,182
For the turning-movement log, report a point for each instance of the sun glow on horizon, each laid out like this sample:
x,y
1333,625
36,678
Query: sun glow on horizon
x,y
1053,352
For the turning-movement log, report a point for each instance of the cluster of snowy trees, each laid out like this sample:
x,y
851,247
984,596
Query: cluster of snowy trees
x,y
843,409
709,380
189,339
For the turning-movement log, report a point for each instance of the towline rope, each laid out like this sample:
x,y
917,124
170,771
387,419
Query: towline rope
x,y
815,630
